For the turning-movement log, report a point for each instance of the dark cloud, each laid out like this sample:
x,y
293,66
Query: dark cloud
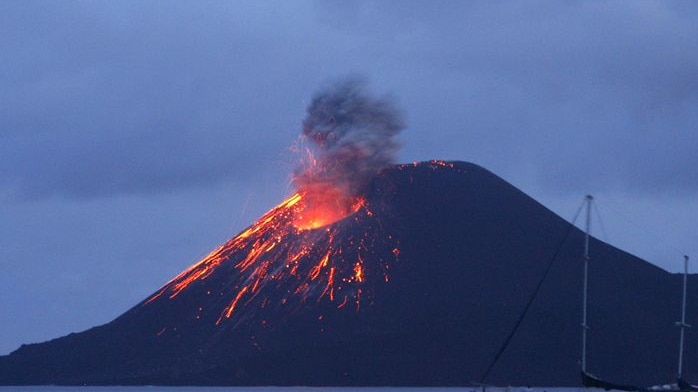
x,y
97,105
588,94
102,100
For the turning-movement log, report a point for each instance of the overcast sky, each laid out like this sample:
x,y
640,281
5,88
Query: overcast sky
x,y
137,136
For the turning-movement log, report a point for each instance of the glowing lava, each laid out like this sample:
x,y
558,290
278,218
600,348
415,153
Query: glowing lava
x,y
321,242
322,209
280,256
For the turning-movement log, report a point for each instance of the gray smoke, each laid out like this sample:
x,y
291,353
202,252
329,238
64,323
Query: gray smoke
x,y
352,137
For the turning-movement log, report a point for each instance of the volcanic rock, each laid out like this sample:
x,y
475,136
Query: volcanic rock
x,y
420,286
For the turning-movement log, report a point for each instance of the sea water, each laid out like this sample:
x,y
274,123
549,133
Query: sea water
x,y
49,388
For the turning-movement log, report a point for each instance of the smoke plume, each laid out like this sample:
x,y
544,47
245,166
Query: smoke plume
x,y
350,137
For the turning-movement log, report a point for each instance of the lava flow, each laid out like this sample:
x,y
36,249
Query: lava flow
x,y
303,263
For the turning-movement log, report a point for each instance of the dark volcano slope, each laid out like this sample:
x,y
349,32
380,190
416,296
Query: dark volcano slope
x,y
452,255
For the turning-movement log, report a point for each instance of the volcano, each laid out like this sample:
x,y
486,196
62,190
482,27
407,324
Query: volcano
x,y
419,284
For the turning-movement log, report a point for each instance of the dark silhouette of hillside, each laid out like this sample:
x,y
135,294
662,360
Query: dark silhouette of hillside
x,y
450,255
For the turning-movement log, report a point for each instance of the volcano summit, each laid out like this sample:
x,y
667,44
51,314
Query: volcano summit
x,y
419,284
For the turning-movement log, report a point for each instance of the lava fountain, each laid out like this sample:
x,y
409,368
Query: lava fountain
x,y
298,250
350,137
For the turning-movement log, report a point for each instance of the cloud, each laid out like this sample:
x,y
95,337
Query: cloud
x,y
97,104
583,94
102,99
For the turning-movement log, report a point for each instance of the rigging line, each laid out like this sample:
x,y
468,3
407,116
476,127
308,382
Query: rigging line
x,y
606,252
612,204
604,233
533,296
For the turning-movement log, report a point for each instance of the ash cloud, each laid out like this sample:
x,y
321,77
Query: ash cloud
x,y
351,135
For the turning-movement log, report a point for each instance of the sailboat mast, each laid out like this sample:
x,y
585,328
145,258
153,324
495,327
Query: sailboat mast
x,y
585,326
682,324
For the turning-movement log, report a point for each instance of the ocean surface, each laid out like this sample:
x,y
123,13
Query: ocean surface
x,y
284,389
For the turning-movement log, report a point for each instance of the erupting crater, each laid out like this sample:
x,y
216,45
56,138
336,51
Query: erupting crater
x,y
317,209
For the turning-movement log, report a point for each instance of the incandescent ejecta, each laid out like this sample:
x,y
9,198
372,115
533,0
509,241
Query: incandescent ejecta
x,y
351,137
